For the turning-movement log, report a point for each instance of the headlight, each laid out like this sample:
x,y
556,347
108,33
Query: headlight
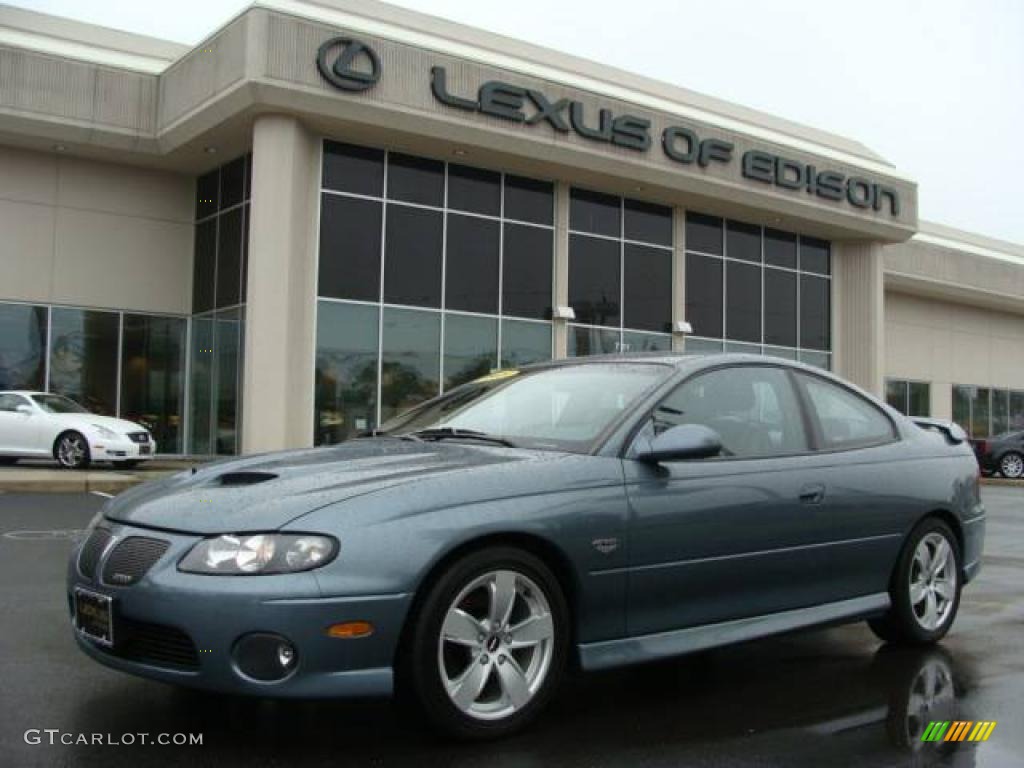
x,y
107,433
259,554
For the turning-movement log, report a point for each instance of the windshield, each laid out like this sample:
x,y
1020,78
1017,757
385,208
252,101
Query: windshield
x,y
565,408
57,404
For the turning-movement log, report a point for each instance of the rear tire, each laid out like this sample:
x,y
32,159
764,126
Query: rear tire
x,y
925,588
72,451
488,646
1011,465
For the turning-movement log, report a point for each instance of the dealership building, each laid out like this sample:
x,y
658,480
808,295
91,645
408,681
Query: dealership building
x,y
328,211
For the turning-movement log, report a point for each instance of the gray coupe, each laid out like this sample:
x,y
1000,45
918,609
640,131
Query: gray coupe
x,y
593,512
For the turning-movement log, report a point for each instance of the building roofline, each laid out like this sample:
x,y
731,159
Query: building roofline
x,y
932,233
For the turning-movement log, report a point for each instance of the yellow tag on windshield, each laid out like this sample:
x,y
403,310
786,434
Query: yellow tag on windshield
x,y
497,376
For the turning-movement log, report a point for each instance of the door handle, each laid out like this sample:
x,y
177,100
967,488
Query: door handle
x,y
812,494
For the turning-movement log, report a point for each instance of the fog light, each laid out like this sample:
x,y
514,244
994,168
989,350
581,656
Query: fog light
x,y
265,657
350,630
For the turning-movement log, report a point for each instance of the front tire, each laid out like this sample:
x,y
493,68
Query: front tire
x,y
925,589
488,646
72,451
1012,466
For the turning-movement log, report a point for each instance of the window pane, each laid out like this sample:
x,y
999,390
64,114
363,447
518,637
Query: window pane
x,y
348,168
415,179
821,360
779,308
754,410
846,419
229,258
350,231
346,371
22,346
411,359
692,346
1016,409
529,200
648,288
412,262
739,348
1000,411
645,342
704,294
980,412
523,343
703,233
232,183
207,194
594,212
152,373
83,358
204,266
647,222
471,273
814,312
743,241
473,189
743,302
896,394
814,256
783,352
592,341
594,272
779,248
962,407
245,253
470,348
227,352
201,387
919,399
527,266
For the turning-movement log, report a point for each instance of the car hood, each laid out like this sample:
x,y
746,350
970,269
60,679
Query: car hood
x,y
85,420
266,492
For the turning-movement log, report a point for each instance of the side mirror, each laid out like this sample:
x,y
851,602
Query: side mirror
x,y
687,441
26,409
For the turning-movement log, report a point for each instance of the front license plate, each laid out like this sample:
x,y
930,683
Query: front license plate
x,y
94,616
144,450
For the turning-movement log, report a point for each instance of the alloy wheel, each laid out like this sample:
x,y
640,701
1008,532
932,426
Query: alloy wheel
x,y
496,645
72,451
1012,465
933,581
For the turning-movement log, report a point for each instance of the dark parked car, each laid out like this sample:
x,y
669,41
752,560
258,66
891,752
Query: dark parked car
x,y
600,511
1003,454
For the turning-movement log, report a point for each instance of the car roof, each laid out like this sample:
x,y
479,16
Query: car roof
x,y
675,359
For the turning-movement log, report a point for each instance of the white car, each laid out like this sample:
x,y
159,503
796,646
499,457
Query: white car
x,y
42,425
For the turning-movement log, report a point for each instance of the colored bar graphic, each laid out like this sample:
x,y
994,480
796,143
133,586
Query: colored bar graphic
x,y
958,730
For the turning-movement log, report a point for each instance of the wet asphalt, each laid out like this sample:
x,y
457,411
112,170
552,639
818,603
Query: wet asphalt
x,y
831,697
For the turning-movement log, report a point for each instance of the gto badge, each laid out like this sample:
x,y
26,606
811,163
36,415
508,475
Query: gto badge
x,y
605,546
343,73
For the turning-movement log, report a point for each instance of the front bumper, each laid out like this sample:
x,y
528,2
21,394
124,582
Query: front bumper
x,y
214,612
123,449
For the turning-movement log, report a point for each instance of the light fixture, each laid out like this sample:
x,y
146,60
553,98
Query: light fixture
x,y
60,148
681,326
459,152
564,313
210,150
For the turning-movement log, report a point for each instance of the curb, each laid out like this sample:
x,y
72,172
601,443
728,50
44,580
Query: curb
x,y
109,483
1003,482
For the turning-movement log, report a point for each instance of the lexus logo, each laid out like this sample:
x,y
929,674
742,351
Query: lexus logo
x,y
348,70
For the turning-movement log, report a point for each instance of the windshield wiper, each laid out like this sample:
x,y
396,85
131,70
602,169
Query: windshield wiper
x,y
449,433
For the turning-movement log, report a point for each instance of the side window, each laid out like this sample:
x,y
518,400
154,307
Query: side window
x,y
753,409
11,402
847,420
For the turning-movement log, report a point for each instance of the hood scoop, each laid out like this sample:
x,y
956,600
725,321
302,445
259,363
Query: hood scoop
x,y
244,478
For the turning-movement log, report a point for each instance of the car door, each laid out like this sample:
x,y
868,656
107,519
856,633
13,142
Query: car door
x,y
736,535
20,433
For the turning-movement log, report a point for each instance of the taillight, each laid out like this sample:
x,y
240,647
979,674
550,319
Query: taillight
x,y
983,447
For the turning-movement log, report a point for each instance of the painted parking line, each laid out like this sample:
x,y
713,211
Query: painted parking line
x,y
101,493
57,534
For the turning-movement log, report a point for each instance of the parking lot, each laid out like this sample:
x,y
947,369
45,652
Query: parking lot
x,y
828,697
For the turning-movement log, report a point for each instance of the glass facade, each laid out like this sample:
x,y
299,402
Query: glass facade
x,y
114,363
757,289
218,307
620,274
911,398
985,412
430,275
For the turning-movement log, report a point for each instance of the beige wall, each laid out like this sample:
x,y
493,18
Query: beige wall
x,y
94,234
945,343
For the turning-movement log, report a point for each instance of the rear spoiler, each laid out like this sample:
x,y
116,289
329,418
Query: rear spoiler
x,y
953,432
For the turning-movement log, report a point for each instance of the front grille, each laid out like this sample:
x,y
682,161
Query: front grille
x,y
154,644
91,552
139,437
131,559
